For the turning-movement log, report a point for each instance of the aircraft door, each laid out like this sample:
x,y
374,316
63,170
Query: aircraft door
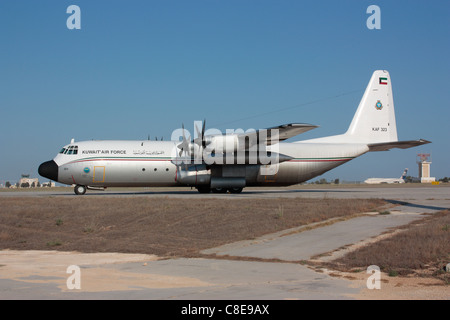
x,y
99,174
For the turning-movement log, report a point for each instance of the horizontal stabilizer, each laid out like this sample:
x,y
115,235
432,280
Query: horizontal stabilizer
x,y
385,146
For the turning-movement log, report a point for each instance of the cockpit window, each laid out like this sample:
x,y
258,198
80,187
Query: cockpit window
x,y
70,150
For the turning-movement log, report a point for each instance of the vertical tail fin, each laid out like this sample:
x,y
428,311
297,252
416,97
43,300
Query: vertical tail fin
x,y
404,174
374,120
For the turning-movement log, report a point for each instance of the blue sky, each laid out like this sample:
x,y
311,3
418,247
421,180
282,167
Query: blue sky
x,y
139,68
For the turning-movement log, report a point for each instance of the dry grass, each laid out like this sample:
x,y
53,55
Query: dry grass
x,y
422,248
161,226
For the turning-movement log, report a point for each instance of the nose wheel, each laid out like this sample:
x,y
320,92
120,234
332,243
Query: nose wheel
x,y
79,189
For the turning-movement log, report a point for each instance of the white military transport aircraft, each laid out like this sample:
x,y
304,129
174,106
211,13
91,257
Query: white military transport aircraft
x,y
230,162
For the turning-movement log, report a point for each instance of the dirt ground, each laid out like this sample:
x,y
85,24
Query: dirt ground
x,y
165,227
397,288
160,226
50,265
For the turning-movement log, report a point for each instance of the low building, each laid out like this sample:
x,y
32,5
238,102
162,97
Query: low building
x,y
50,184
28,182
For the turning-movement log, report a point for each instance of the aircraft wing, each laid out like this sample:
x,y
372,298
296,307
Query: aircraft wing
x,y
385,146
278,133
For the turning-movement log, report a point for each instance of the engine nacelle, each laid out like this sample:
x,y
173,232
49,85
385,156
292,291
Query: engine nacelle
x,y
227,182
227,143
193,175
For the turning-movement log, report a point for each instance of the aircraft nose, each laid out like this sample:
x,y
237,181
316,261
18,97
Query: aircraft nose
x,y
49,169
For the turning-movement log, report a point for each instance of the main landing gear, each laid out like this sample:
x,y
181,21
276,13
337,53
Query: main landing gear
x,y
207,189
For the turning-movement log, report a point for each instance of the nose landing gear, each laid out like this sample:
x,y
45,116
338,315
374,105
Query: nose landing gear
x,y
79,189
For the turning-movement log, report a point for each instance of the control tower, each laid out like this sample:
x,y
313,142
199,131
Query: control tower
x,y
424,162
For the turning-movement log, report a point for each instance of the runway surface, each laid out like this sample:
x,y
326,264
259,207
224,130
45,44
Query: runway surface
x,y
42,275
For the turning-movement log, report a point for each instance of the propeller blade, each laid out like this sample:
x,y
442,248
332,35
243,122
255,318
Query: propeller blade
x,y
200,140
203,133
184,145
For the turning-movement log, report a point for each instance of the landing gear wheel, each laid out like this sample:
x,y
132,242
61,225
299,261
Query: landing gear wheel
x,y
204,189
79,189
219,190
236,190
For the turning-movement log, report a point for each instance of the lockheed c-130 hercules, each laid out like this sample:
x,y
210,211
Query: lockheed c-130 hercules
x,y
229,162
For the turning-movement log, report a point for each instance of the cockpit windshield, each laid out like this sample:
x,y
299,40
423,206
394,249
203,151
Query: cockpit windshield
x,y
69,150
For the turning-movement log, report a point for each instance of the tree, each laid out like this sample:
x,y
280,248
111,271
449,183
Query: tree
x,y
8,184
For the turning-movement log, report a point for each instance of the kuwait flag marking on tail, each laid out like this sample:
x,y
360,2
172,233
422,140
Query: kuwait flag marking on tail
x,y
383,80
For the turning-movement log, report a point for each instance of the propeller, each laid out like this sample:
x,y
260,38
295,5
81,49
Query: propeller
x,y
184,146
200,140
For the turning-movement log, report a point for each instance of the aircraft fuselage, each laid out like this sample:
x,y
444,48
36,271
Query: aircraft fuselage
x,y
154,163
